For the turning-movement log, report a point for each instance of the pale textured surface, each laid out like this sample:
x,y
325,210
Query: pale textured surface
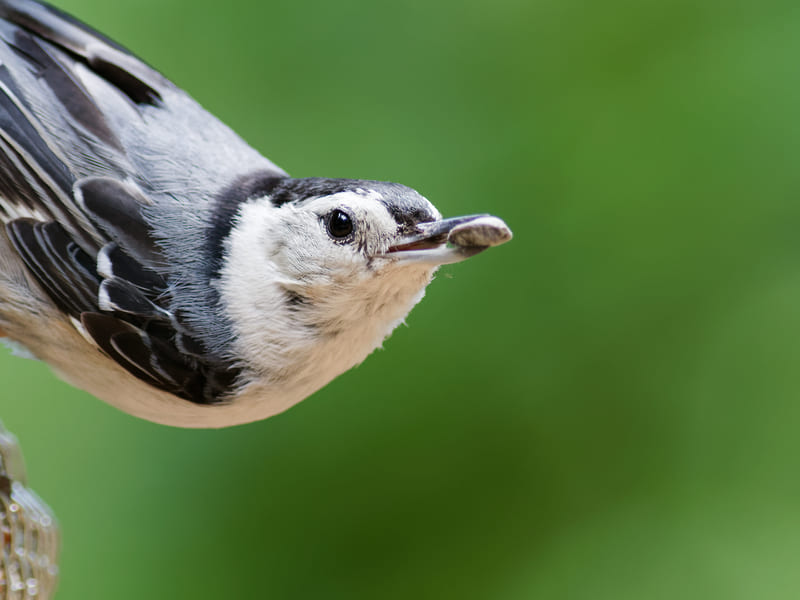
x,y
28,532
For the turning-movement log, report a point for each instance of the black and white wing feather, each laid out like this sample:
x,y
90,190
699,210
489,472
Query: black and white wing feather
x,y
111,181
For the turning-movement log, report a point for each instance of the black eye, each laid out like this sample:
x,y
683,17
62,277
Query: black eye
x,y
340,224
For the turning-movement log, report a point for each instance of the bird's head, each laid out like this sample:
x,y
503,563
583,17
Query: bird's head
x,y
319,271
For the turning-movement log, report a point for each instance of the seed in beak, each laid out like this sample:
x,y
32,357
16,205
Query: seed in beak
x,y
482,232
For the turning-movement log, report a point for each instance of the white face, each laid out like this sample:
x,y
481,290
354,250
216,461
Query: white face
x,y
307,273
329,238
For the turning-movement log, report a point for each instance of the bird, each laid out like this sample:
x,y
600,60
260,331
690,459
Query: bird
x,y
155,260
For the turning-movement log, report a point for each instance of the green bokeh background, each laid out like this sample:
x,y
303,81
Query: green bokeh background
x,y
607,407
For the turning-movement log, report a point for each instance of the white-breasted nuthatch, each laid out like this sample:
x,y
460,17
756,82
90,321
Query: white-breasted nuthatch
x,y
154,259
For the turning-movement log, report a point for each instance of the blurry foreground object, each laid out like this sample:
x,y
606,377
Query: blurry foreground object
x,y
28,531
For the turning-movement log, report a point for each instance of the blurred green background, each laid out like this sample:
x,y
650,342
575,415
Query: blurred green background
x,y
607,407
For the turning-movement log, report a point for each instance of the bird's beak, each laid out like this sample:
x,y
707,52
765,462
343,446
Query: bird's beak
x,y
450,240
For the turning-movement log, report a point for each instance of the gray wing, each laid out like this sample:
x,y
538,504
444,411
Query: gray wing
x,y
110,180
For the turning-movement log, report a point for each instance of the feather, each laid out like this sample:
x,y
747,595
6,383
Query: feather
x,y
158,363
71,260
66,88
113,261
27,143
116,208
26,238
102,328
119,295
112,61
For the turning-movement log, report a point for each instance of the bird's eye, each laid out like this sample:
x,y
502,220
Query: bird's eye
x,y
340,224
